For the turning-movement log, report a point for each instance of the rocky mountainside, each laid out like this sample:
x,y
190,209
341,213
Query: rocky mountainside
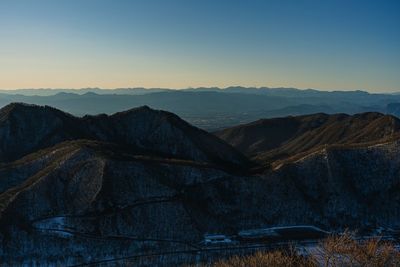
x,y
27,128
271,139
133,189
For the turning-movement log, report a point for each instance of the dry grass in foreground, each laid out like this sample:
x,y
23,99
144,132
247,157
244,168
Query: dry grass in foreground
x,y
274,258
335,251
345,251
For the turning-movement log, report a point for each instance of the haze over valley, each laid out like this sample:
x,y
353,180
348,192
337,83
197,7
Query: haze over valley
x,y
210,108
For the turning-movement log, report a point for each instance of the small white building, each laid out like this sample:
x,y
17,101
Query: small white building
x,y
215,239
265,233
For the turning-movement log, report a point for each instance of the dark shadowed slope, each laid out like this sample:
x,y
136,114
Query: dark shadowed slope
x,y
150,183
27,128
335,187
96,191
86,200
270,139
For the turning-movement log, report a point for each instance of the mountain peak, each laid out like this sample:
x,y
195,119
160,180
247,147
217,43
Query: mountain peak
x,y
142,130
144,108
17,108
17,105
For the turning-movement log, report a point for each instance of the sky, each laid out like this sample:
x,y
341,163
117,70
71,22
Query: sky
x,y
322,44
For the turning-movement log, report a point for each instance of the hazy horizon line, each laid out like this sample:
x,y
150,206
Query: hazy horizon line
x,y
199,87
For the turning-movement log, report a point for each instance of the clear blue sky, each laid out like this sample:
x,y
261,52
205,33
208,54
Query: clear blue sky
x,y
326,44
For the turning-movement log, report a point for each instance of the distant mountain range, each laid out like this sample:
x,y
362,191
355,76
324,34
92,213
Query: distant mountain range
x,y
143,181
208,108
281,91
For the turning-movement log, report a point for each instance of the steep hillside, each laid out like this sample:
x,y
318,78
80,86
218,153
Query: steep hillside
x,y
336,187
27,128
271,139
93,201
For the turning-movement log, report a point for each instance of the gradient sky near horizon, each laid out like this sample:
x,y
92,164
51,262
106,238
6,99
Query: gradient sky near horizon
x,y
322,44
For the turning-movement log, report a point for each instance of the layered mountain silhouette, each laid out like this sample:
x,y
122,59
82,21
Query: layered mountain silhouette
x,y
279,138
208,108
80,190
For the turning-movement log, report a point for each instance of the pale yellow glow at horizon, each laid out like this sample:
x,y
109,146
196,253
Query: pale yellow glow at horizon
x,y
79,78
181,44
